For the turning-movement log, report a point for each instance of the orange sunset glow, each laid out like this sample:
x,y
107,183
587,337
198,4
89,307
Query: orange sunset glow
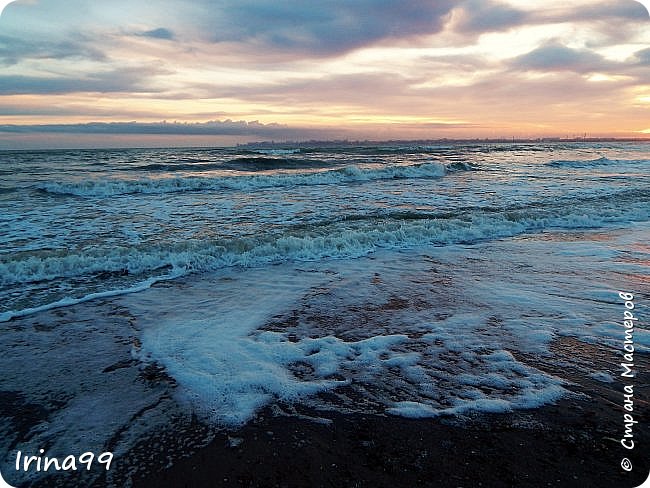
x,y
228,71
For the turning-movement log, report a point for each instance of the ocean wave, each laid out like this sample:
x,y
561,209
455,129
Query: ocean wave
x,y
412,148
347,237
276,152
347,174
256,163
462,166
593,163
261,163
198,166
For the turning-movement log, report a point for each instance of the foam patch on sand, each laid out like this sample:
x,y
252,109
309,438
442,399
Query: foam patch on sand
x,y
228,368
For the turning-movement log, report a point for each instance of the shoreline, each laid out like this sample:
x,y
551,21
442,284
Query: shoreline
x,y
572,442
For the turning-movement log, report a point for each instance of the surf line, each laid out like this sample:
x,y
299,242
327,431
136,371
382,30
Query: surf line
x,y
629,322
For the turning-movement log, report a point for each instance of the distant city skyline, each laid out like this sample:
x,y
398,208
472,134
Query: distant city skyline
x,y
84,74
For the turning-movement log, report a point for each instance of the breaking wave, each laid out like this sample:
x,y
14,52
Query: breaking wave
x,y
347,237
347,174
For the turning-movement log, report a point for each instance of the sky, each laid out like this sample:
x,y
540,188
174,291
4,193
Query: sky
x,y
83,73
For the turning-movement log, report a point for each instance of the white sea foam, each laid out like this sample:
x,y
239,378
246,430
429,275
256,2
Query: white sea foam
x,y
602,376
344,239
68,301
227,374
228,369
413,410
339,240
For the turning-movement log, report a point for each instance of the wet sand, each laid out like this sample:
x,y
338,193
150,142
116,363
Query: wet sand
x,y
572,443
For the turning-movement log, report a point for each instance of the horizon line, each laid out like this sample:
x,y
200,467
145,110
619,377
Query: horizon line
x,y
349,142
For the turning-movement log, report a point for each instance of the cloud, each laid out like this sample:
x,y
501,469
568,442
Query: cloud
x,y
133,79
343,88
480,16
646,4
224,127
642,57
4,4
160,33
326,27
288,29
620,9
84,29
13,49
125,134
329,63
554,56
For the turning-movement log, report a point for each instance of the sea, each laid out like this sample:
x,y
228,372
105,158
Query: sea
x,y
145,290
